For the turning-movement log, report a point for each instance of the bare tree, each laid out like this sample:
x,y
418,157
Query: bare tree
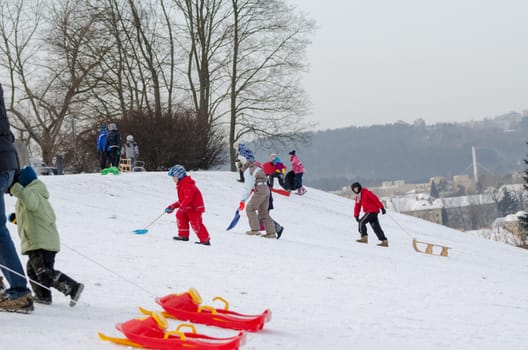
x,y
269,40
206,33
47,72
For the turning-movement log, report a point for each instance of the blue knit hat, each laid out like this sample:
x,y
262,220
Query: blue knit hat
x,y
27,175
245,152
178,171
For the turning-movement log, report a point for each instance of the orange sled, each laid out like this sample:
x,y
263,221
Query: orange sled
x,y
186,306
149,332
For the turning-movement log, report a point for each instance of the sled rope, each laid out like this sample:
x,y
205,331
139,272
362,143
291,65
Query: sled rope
x,y
22,275
429,246
149,293
400,226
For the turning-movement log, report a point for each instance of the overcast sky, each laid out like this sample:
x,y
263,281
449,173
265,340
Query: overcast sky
x,y
380,61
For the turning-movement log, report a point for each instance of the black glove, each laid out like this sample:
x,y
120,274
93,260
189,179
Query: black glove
x,y
12,218
383,211
357,218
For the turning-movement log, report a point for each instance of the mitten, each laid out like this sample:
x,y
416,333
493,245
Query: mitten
x,y
241,205
12,218
169,209
383,211
357,218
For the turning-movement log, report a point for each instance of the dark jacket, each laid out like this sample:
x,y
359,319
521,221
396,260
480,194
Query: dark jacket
x,y
113,140
8,155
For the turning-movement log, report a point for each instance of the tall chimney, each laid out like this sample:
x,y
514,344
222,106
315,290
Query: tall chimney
x,y
475,164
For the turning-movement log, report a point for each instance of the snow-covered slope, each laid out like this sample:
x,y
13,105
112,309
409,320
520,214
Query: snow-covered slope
x,y
325,290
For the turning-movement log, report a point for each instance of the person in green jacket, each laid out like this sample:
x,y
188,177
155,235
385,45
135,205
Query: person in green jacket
x,y
35,220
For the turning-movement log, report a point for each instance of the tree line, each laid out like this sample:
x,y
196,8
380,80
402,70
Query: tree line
x,y
226,69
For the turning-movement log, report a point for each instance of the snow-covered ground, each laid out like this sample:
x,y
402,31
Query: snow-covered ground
x,y
325,290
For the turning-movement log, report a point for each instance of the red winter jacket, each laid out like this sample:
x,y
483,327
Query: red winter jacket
x,y
189,196
368,201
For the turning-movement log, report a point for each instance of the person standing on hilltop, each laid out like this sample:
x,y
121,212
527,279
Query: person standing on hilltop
x,y
371,206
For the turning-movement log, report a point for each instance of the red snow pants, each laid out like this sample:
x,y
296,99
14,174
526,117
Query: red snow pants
x,y
194,218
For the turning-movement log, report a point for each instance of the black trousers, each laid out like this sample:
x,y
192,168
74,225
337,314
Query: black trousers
x,y
40,268
371,218
113,156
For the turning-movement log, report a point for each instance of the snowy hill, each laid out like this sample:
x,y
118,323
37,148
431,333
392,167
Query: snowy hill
x,y
325,290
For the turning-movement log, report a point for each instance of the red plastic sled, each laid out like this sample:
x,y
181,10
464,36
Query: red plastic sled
x,y
186,306
149,332
268,168
281,192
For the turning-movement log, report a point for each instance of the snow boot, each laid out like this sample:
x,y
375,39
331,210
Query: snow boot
x,y
42,300
67,286
363,239
203,243
269,235
23,304
384,243
76,294
253,233
180,238
279,230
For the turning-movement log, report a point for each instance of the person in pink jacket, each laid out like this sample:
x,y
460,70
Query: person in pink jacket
x,y
190,207
298,170
371,206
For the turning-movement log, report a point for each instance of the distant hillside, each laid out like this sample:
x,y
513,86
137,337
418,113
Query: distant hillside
x,y
412,152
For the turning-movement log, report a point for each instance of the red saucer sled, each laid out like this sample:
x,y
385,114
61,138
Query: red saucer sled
x,y
149,332
186,306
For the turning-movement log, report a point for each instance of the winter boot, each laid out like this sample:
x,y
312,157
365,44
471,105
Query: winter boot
x,y
180,238
253,233
384,243
45,300
278,229
67,286
76,294
23,304
203,243
363,239
269,235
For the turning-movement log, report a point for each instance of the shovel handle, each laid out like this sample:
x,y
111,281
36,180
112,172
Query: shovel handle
x,y
156,219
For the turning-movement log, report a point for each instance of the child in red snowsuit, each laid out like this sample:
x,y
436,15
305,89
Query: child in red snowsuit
x,y
190,207
371,206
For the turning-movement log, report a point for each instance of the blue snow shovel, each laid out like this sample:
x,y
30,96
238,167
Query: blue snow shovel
x,y
234,221
142,231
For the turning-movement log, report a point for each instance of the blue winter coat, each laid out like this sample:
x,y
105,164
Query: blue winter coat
x,y
101,141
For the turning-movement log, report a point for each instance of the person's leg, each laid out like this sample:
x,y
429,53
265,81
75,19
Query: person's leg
x,y
39,270
182,221
282,183
252,208
362,225
115,157
8,254
263,211
374,223
296,183
197,225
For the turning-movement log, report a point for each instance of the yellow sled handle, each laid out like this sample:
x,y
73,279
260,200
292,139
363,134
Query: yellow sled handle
x,y
226,304
195,296
180,334
207,307
160,320
188,325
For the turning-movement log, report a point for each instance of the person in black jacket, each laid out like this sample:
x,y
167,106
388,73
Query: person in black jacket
x,y
113,145
17,298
